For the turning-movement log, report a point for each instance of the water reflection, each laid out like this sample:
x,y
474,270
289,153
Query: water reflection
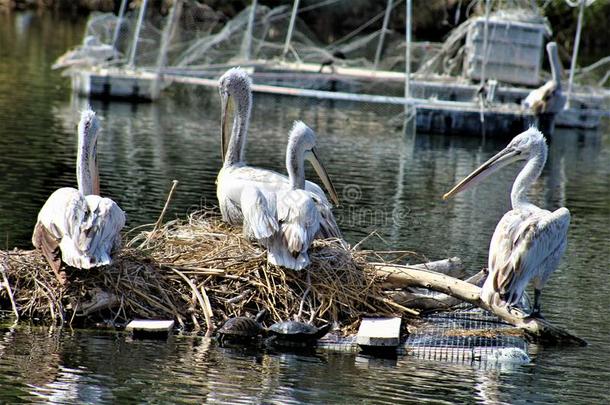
x,y
389,181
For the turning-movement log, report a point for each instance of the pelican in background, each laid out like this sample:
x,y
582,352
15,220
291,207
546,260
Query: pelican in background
x,y
79,227
297,212
528,242
247,194
548,99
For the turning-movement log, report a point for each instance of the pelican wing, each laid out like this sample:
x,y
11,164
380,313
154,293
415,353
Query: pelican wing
x,y
299,218
100,234
526,245
63,212
86,229
232,180
259,214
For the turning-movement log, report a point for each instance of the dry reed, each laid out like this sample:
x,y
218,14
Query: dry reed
x,y
199,271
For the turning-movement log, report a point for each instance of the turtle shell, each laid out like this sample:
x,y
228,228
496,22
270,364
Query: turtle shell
x,y
297,331
241,326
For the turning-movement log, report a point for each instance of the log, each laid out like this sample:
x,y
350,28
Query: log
x,y
439,301
451,267
536,329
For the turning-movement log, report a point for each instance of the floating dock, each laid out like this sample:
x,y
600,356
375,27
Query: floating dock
x,y
452,113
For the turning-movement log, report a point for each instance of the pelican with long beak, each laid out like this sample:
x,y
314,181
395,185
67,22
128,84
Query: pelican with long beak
x,y
548,98
247,194
297,211
528,242
77,226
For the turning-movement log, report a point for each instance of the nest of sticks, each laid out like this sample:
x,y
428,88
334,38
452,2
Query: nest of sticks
x,y
200,271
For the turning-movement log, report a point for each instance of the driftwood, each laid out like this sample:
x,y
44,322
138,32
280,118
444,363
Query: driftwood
x,y
451,267
536,329
437,302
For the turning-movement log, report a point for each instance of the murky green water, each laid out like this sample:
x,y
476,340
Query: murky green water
x,y
389,182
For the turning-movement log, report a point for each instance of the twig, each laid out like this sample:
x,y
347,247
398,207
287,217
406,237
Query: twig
x,y
207,312
304,294
195,291
3,267
160,219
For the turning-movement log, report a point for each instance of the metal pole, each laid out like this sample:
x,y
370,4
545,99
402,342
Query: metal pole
x,y
581,12
410,107
136,34
485,39
117,29
384,27
168,33
248,39
293,17
408,20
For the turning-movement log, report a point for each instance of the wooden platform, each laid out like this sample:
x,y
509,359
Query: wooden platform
x,y
379,332
150,328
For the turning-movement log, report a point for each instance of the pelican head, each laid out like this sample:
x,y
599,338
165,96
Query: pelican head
x,y
525,146
234,84
301,146
87,174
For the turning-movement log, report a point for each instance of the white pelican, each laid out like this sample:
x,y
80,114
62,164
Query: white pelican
x,y
528,242
245,189
297,211
79,224
548,98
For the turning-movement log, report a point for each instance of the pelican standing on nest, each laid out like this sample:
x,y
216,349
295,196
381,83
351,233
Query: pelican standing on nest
x,y
247,194
548,99
528,242
297,211
79,227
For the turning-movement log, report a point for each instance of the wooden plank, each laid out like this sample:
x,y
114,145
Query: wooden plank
x,y
379,332
150,326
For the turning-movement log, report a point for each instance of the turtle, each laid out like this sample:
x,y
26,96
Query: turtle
x,y
295,333
242,329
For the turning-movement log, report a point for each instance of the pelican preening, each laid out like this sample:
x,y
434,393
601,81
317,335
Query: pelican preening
x,y
528,242
79,227
248,194
548,99
297,209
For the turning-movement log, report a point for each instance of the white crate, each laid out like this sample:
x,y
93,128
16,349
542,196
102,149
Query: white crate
x,y
515,51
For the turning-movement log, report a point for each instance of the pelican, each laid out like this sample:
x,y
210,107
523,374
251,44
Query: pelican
x,y
297,212
548,98
245,190
79,227
528,242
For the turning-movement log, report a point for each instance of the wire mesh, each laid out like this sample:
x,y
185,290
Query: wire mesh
x,y
466,335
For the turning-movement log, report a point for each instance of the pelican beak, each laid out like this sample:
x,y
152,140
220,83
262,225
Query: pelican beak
x,y
224,111
498,161
321,171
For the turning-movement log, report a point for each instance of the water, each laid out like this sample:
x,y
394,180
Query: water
x,y
388,182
